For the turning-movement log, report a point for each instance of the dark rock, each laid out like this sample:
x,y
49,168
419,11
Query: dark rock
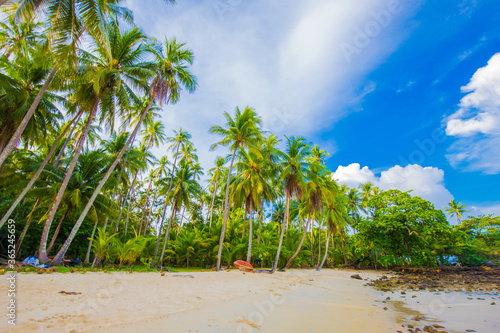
x,y
356,276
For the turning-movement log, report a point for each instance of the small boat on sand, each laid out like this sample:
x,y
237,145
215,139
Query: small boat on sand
x,y
243,266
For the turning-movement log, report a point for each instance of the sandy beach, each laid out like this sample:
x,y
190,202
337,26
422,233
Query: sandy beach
x,y
295,301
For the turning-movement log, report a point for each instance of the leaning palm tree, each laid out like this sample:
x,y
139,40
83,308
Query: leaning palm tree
x,y
171,74
293,167
240,132
457,209
67,22
104,77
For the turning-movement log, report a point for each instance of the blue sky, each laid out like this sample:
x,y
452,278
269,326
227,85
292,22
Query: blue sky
x,y
377,83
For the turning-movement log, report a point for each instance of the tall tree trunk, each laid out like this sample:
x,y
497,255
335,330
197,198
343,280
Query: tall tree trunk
x,y
58,258
260,223
25,229
181,221
56,232
42,256
127,199
61,152
343,249
146,204
250,233
167,233
304,233
287,201
35,177
319,242
212,205
16,137
326,254
226,211
3,140
165,207
312,245
87,256
244,226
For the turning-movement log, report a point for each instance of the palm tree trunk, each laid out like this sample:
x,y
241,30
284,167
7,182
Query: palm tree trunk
x,y
326,254
312,245
319,242
275,266
58,258
3,141
343,250
304,233
127,199
25,229
167,233
56,232
226,211
250,233
260,223
212,205
146,204
87,256
42,256
244,226
61,152
182,219
16,138
165,207
35,177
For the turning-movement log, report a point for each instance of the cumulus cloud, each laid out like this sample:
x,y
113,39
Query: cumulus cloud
x,y
477,122
427,182
281,57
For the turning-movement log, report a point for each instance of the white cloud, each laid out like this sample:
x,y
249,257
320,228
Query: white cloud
x,y
427,182
281,57
477,122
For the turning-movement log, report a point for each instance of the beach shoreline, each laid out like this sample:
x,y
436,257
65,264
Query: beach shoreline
x,y
294,301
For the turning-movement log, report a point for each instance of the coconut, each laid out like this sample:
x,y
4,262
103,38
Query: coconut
x,y
40,271
27,269
73,270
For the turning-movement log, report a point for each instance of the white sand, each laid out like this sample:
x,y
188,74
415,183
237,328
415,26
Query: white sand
x,y
295,301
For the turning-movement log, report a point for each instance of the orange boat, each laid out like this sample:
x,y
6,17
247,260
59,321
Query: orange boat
x,y
243,266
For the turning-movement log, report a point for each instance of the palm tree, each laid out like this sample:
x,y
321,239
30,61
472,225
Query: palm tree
x,y
337,218
67,22
240,132
216,173
457,209
181,138
104,76
292,170
171,74
252,185
318,186
185,187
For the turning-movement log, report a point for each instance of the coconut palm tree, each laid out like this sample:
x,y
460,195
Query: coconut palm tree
x,y
293,166
171,75
216,174
185,187
104,76
317,187
337,219
457,209
67,22
240,132
252,185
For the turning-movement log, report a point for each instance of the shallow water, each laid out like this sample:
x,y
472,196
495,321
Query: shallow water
x,y
456,311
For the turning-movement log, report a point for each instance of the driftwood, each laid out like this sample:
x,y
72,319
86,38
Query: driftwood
x,y
70,292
